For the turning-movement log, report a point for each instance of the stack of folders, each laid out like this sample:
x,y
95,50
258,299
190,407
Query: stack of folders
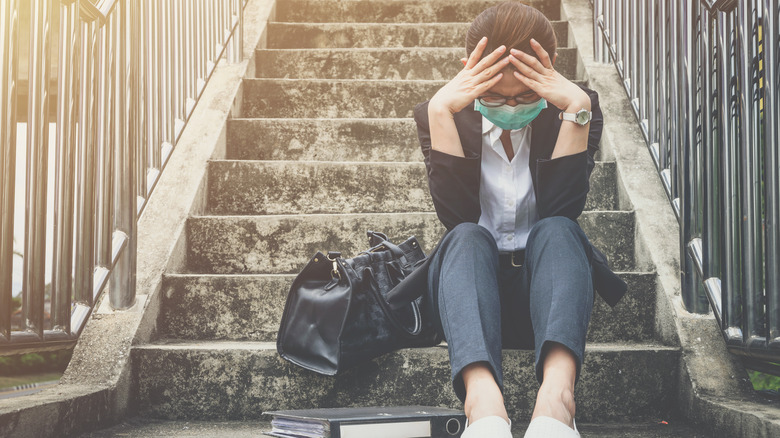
x,y
371,422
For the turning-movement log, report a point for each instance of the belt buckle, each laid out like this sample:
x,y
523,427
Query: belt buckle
x,y
512,259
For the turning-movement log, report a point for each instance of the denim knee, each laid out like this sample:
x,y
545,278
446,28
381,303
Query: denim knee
x,y
470,234
555,228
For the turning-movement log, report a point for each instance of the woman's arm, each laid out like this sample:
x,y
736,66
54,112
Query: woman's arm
x,y
453,178
475,79
562,180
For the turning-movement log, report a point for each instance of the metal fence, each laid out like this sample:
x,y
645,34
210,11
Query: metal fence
x,y
129,73
702,78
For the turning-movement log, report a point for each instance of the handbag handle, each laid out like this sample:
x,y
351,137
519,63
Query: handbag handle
x,y
414,332
374,236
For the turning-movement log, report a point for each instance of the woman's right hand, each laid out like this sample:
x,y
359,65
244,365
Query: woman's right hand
x,y
474,80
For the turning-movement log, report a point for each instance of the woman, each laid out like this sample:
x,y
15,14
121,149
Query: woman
x,y
508,145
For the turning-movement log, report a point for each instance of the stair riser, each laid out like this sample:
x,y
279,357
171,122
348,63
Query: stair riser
x,y
328,140
335,35
257,187
329,99
241,384
323,140
305,98
250,308
283,244
403,11
408,64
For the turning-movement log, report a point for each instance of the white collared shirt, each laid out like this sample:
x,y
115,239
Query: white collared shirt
x,y
506,190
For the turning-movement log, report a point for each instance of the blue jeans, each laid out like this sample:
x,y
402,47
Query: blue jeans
x,y
481,306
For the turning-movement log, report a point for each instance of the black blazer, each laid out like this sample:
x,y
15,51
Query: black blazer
x,y
561,185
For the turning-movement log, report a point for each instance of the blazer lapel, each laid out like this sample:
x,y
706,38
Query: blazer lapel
x,y
469,124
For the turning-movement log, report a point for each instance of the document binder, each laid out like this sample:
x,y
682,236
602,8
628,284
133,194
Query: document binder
x,y
368,422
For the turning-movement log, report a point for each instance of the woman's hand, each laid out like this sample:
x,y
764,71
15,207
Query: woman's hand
x,y
541,77
471,82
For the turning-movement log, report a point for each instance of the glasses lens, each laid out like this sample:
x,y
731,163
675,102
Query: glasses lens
x,y
492,101
533,98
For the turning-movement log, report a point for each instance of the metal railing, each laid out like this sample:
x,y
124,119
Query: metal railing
x,y
702,78
129,74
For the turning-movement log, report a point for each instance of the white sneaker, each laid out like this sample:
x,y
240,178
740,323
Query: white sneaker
x,y
488,427
549,427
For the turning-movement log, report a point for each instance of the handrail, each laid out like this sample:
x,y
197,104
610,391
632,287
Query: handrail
x,y
703,80
130,73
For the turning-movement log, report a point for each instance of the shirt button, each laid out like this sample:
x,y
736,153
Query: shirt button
x,y
510,237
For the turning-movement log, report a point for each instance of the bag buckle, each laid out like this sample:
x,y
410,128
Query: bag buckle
x,y
335,272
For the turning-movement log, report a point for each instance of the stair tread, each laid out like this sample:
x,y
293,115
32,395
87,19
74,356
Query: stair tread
x,y
152,427
266,346
396,10
357,34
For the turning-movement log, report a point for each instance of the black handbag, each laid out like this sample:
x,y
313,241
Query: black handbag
x,y
344,312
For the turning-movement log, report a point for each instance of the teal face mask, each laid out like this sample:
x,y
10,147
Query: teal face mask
x,y
511,117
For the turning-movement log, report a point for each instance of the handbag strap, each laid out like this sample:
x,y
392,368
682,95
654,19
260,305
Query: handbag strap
x,y
416,330
375,236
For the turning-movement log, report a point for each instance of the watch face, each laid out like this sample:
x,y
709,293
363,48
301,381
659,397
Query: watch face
x,y
583,117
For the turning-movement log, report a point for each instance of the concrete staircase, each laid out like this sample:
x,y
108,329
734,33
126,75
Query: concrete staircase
x,y
326,149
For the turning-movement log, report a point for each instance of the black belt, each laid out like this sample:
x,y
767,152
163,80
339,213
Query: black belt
x,y
515,258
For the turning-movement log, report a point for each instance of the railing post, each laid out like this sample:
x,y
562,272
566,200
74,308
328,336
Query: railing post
x,y
37,166
62,265
122,286
87,165
747,55
771,41
731,280
9,16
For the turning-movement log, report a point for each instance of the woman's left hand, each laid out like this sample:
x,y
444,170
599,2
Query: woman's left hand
x,y
541,77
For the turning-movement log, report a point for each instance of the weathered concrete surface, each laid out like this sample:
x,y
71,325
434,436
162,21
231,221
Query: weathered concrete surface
x,y
353,35
404,11
239,380
95,390
151,427
714,390
286,187
284,243
292,98
323,140
249,307
385,63
328,140
334,98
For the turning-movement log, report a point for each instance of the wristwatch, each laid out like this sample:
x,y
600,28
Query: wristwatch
x,y
581,117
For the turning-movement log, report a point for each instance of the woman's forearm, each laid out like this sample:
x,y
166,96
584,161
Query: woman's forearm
x,y
444,134
572,138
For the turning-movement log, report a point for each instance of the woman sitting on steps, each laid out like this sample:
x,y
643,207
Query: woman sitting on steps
x,y
509,145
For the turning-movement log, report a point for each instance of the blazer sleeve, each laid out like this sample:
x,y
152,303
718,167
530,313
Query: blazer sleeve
x,y
453,181
563,182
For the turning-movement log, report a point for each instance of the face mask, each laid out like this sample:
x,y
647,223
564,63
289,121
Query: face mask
x,y
511,117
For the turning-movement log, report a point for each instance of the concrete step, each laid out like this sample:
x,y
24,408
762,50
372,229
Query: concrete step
x,y
385,63
334,98
283,244
221,380
288,187
382,11
249,307
324,140
351,35
152,427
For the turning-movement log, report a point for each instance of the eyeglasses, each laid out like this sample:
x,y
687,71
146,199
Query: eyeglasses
x,y
494,100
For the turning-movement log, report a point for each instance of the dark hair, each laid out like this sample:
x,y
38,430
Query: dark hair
x,y
512,24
